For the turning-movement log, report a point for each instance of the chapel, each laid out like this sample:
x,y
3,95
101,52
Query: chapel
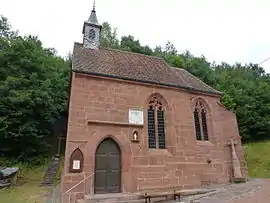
x,y
136,124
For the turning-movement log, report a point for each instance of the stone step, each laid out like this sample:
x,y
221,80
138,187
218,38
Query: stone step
x,y
137,201
112,198
50,173
110,201
134,198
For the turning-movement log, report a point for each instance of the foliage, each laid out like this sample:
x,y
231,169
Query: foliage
x,y
258,160
109,36
33,94
247,89
5,28
57,179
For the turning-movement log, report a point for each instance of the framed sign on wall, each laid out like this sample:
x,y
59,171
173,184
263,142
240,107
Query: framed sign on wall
x,y
135,116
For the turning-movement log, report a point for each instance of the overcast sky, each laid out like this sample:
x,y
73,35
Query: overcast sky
x,y
221,30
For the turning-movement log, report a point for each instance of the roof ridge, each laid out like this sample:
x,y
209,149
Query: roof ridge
x,y
134,53
128,52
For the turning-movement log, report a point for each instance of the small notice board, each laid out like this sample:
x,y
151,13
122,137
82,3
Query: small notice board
x,y
135,116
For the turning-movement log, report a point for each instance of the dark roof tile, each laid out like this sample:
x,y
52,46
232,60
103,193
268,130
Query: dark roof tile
x,y
133,66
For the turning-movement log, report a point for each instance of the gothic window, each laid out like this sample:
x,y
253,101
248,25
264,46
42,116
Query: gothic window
x,y
151,128
197,124
204,124
156,126
200,121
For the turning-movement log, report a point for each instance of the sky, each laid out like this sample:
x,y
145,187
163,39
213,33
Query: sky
x,y
221,30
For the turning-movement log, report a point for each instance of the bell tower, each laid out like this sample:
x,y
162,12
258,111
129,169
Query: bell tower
x,y
91,31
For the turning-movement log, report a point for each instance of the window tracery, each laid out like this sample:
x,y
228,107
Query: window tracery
x,y
200,121
156,125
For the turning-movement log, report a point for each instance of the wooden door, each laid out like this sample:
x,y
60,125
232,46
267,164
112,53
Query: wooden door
x,y
107,168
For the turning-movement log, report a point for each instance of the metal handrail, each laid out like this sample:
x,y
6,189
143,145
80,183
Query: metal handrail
x,y
73,187
78,183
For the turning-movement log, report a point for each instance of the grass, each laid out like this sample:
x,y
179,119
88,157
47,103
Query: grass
x,y
27,189
59,172
258,159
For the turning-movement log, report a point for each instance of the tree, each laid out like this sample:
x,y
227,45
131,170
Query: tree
x,y
128,43
33,94
109,36
5,28
170,49
247,93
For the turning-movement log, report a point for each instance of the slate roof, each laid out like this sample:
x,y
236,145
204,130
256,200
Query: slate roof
x,y
93,17
135,67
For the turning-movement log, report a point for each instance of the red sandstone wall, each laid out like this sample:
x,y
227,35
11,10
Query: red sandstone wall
x,y
183,163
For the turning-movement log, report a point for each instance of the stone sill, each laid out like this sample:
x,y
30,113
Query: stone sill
x,y
114,123
69,174
204,143
78,141
159,152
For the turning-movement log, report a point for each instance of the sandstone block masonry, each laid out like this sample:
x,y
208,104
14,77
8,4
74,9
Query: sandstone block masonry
x,y
99,109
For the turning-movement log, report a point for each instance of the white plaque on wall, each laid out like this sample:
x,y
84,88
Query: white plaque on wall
x,y
76,164
135,116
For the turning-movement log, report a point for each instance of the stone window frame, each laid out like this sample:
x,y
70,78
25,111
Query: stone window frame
x,y
156,112
201,119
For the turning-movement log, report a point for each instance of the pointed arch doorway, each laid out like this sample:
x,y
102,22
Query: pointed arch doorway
x,y
107,168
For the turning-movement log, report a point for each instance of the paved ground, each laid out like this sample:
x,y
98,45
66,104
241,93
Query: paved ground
x,y
262,196
254,191
54,195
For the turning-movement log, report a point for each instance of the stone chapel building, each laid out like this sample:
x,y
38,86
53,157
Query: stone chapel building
x,y
137,124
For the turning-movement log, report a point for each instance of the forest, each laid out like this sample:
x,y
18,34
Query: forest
x,y
34,88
